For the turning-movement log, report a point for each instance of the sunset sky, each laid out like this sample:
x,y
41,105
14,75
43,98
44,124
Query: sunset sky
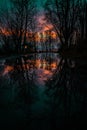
x,y
42,24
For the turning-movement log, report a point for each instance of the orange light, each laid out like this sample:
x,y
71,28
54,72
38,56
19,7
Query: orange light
x,y
54,65
7,69
25,47
53,35
39,36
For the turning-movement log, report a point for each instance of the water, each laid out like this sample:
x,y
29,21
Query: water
x,y
43,91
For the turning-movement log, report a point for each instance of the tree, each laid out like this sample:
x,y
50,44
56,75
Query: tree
x,y
17,20
82,18
63,15
21,15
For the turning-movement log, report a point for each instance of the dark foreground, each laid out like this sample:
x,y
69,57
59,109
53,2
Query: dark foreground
x,y
43,92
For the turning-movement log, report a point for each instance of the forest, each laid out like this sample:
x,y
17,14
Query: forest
x,y
61,27
43,64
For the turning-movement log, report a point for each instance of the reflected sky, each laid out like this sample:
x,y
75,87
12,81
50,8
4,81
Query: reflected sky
x,y
41,66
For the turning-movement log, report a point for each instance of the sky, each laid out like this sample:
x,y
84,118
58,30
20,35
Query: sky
x,y
40,16
39,3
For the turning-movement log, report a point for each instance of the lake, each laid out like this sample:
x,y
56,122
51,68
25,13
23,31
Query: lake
x,y
43,91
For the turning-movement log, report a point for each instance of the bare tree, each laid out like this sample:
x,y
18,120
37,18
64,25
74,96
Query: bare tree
x,y
63,14
21,15
17,20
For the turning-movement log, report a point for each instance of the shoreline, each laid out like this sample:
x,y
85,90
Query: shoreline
x,y
72,54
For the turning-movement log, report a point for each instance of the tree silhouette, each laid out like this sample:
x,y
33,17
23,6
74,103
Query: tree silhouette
x,y
63,14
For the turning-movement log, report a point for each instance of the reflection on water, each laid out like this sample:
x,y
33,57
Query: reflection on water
x,y
43,89
37,67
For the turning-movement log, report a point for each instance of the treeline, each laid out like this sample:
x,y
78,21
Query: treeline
x,y
68,18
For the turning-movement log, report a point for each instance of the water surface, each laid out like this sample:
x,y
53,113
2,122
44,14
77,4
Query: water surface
x,y
43,91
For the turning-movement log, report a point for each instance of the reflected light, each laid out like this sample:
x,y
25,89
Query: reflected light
x,y
46,72
43,69
7,69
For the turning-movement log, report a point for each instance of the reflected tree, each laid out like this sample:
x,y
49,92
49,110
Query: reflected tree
x,y
66,92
